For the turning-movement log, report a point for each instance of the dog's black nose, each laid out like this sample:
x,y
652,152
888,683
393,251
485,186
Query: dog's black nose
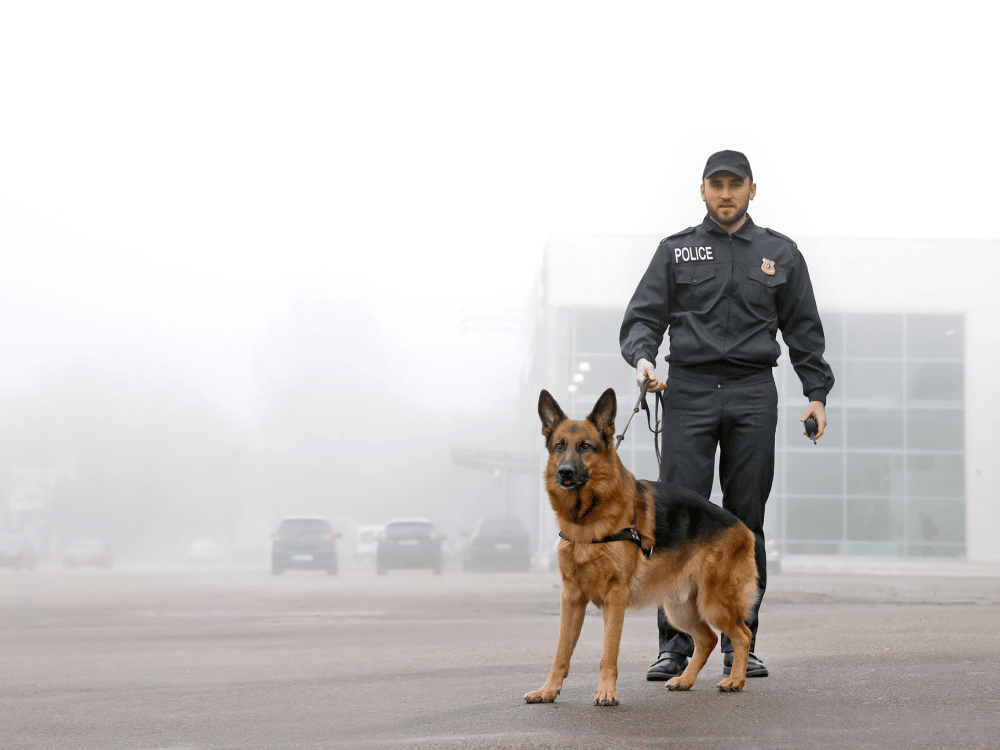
x,y
566,473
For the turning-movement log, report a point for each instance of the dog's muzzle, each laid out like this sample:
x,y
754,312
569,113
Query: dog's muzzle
x,y
571,478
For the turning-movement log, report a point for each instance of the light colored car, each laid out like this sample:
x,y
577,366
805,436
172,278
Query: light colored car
x,y
366,541
203,551
88,550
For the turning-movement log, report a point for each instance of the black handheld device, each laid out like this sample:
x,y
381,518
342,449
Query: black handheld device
x,y
812,427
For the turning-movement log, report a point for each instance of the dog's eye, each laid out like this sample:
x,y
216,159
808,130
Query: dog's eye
x,y
585,446
560,446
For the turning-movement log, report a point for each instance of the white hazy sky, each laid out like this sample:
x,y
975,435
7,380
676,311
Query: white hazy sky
x,y
180,172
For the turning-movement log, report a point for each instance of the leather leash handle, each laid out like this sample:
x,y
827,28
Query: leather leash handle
x,y
642,391
640,404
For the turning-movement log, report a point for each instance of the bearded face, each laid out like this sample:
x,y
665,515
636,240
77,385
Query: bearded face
x,y
727,197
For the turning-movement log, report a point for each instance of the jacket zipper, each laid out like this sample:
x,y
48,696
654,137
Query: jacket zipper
x,y
730,292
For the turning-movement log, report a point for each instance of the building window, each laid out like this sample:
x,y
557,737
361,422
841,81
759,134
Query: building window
x,y
891,481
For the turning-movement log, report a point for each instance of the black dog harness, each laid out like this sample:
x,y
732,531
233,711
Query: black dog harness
x,y
625,535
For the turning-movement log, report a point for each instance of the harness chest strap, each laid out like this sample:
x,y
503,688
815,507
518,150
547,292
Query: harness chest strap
x,y
625,535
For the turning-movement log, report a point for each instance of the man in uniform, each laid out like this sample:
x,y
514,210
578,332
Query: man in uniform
x,y
722,290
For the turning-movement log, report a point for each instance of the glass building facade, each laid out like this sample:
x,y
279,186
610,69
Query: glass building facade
x,y
887,478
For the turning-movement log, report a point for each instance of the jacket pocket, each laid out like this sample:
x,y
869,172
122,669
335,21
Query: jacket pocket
x,y
760,292
757,274
694,274
697,288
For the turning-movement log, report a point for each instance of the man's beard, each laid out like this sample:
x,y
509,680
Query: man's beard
x,y
741,211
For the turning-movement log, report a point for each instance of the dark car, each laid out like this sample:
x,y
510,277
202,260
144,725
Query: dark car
x,y
304,543
409,543
88,550
498,544
17,551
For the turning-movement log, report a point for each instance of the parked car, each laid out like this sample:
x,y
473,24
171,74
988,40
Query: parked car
x,y
409,543
17,551
366,542
498,544
203,551
88,550
304,542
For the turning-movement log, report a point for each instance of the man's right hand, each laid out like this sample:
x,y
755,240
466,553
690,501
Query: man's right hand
x,y
646,369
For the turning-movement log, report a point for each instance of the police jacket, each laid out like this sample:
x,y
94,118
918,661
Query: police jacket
x,y
723,300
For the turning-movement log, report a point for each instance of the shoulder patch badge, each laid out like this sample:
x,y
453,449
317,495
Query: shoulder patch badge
x,y
767,266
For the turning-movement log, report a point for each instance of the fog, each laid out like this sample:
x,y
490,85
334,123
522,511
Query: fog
x,y
265,259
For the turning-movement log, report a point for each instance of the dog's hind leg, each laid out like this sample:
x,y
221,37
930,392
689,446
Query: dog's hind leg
x,y
684,615
740,636
727,614
572,608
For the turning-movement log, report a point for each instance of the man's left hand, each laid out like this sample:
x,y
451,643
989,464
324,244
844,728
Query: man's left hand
x,y
818,410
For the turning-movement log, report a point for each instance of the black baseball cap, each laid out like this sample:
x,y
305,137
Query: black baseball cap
x,y
728,161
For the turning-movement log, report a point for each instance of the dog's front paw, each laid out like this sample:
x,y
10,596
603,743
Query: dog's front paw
x,y
542,695
677,683
731,685
606,698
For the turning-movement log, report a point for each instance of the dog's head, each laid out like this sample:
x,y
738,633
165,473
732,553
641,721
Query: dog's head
x,y
578,447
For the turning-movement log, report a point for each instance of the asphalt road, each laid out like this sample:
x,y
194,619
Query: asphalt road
x,y
198,659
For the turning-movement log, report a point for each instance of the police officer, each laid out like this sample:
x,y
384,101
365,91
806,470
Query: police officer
x,y
722,290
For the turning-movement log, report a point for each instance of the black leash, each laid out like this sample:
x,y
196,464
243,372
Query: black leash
x,y
632,534
641,404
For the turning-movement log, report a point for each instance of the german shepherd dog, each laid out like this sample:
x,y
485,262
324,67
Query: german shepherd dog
x,y
632,543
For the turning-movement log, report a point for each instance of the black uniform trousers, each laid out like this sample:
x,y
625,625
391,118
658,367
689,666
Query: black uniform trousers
x,y
739,417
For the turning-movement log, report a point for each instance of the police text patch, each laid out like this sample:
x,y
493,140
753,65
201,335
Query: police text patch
x,y
692,253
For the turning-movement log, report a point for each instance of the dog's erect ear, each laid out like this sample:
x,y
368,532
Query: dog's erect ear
x,y
604,412
550,412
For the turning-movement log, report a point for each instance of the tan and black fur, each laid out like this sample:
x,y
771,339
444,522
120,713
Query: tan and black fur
x,y
701,569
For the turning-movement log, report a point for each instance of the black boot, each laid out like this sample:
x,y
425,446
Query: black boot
x,y
667,666
755,667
